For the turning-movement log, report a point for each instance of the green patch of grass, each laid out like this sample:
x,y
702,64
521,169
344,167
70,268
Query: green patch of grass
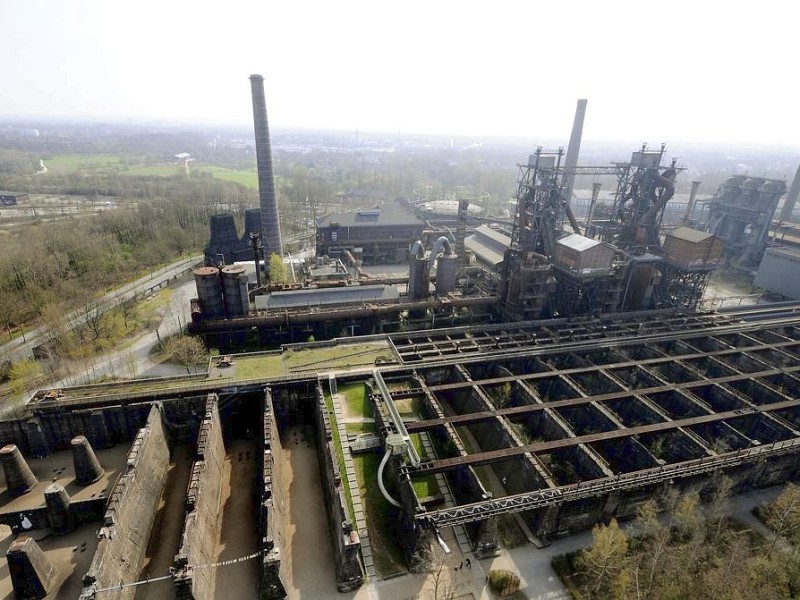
x,y
248,178
409,407
337,444
425,487
261,365
360,428
154,170
380,514
70,163
335,357
355,396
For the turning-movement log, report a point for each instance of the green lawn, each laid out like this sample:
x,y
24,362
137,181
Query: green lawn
x,y
361,428
386,553
132,166
261,365
337,444
69,163
154,170
336,357
248,178
355,395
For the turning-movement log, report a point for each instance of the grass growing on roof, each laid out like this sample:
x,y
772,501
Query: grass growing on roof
x,y
337,445
261,365
360,428
380,514
355,396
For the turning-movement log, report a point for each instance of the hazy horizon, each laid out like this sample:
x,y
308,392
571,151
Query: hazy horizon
x,y
682,74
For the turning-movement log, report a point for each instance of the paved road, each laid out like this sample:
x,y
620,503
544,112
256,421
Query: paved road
x,y
20,348
134,360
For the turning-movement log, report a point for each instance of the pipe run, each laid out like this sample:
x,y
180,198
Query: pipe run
x,y
385,493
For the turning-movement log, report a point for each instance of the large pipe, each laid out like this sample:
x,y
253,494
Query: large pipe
x,y
288,319
384,492
571,161
440,245
270,219
791,197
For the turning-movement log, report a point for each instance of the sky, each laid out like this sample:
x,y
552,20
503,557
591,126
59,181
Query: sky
x,y
700,71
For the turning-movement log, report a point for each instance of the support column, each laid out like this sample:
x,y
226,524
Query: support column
x,y
488,543
32,575
98,431
58,514
87,467
37,441
19,477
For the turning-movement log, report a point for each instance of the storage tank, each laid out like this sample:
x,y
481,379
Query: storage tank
x,y
446,274
234,286
209,292
417,278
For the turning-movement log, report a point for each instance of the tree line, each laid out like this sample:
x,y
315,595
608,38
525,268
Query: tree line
x,y
690,552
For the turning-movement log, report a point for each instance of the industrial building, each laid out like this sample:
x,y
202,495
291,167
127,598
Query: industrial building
x,y
778,272
12,198
374,236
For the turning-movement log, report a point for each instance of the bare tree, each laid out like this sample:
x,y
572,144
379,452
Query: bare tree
x,y
188,351
783,516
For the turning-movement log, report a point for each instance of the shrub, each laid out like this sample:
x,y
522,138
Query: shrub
x,y
502,582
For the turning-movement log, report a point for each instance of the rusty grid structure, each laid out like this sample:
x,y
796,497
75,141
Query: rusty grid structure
x,y
565,411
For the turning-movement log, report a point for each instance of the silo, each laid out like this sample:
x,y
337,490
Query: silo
x,y
446,274
234,287
417,278
209,292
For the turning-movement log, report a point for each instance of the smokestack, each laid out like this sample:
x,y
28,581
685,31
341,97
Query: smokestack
x,y
595,194
690,205
791,197
270,224
574,147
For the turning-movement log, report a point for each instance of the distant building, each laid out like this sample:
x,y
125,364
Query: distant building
x,y
12,198
778,272
376,236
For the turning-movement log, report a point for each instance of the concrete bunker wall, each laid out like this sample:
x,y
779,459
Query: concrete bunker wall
x,y
346,543
130,514
271,523
53,428
202,523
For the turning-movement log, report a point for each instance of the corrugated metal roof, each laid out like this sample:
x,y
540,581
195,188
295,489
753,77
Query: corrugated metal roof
x,y
486,254
689,234
327,296
578,242
489,245
494,234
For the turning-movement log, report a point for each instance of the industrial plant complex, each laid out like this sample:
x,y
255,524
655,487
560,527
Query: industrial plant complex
x,y
545,372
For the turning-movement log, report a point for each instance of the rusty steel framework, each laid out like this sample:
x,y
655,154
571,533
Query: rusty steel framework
x,y
542,205
566,408
643,189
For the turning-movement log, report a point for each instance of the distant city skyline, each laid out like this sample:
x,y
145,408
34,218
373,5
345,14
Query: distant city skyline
x,y
684,72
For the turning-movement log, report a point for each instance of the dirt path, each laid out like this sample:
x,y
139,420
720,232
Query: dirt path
x,y
308,561
167,528
239,527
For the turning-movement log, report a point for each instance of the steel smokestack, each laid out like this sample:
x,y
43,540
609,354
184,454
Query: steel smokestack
x,y
270,221
791,197
574,147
